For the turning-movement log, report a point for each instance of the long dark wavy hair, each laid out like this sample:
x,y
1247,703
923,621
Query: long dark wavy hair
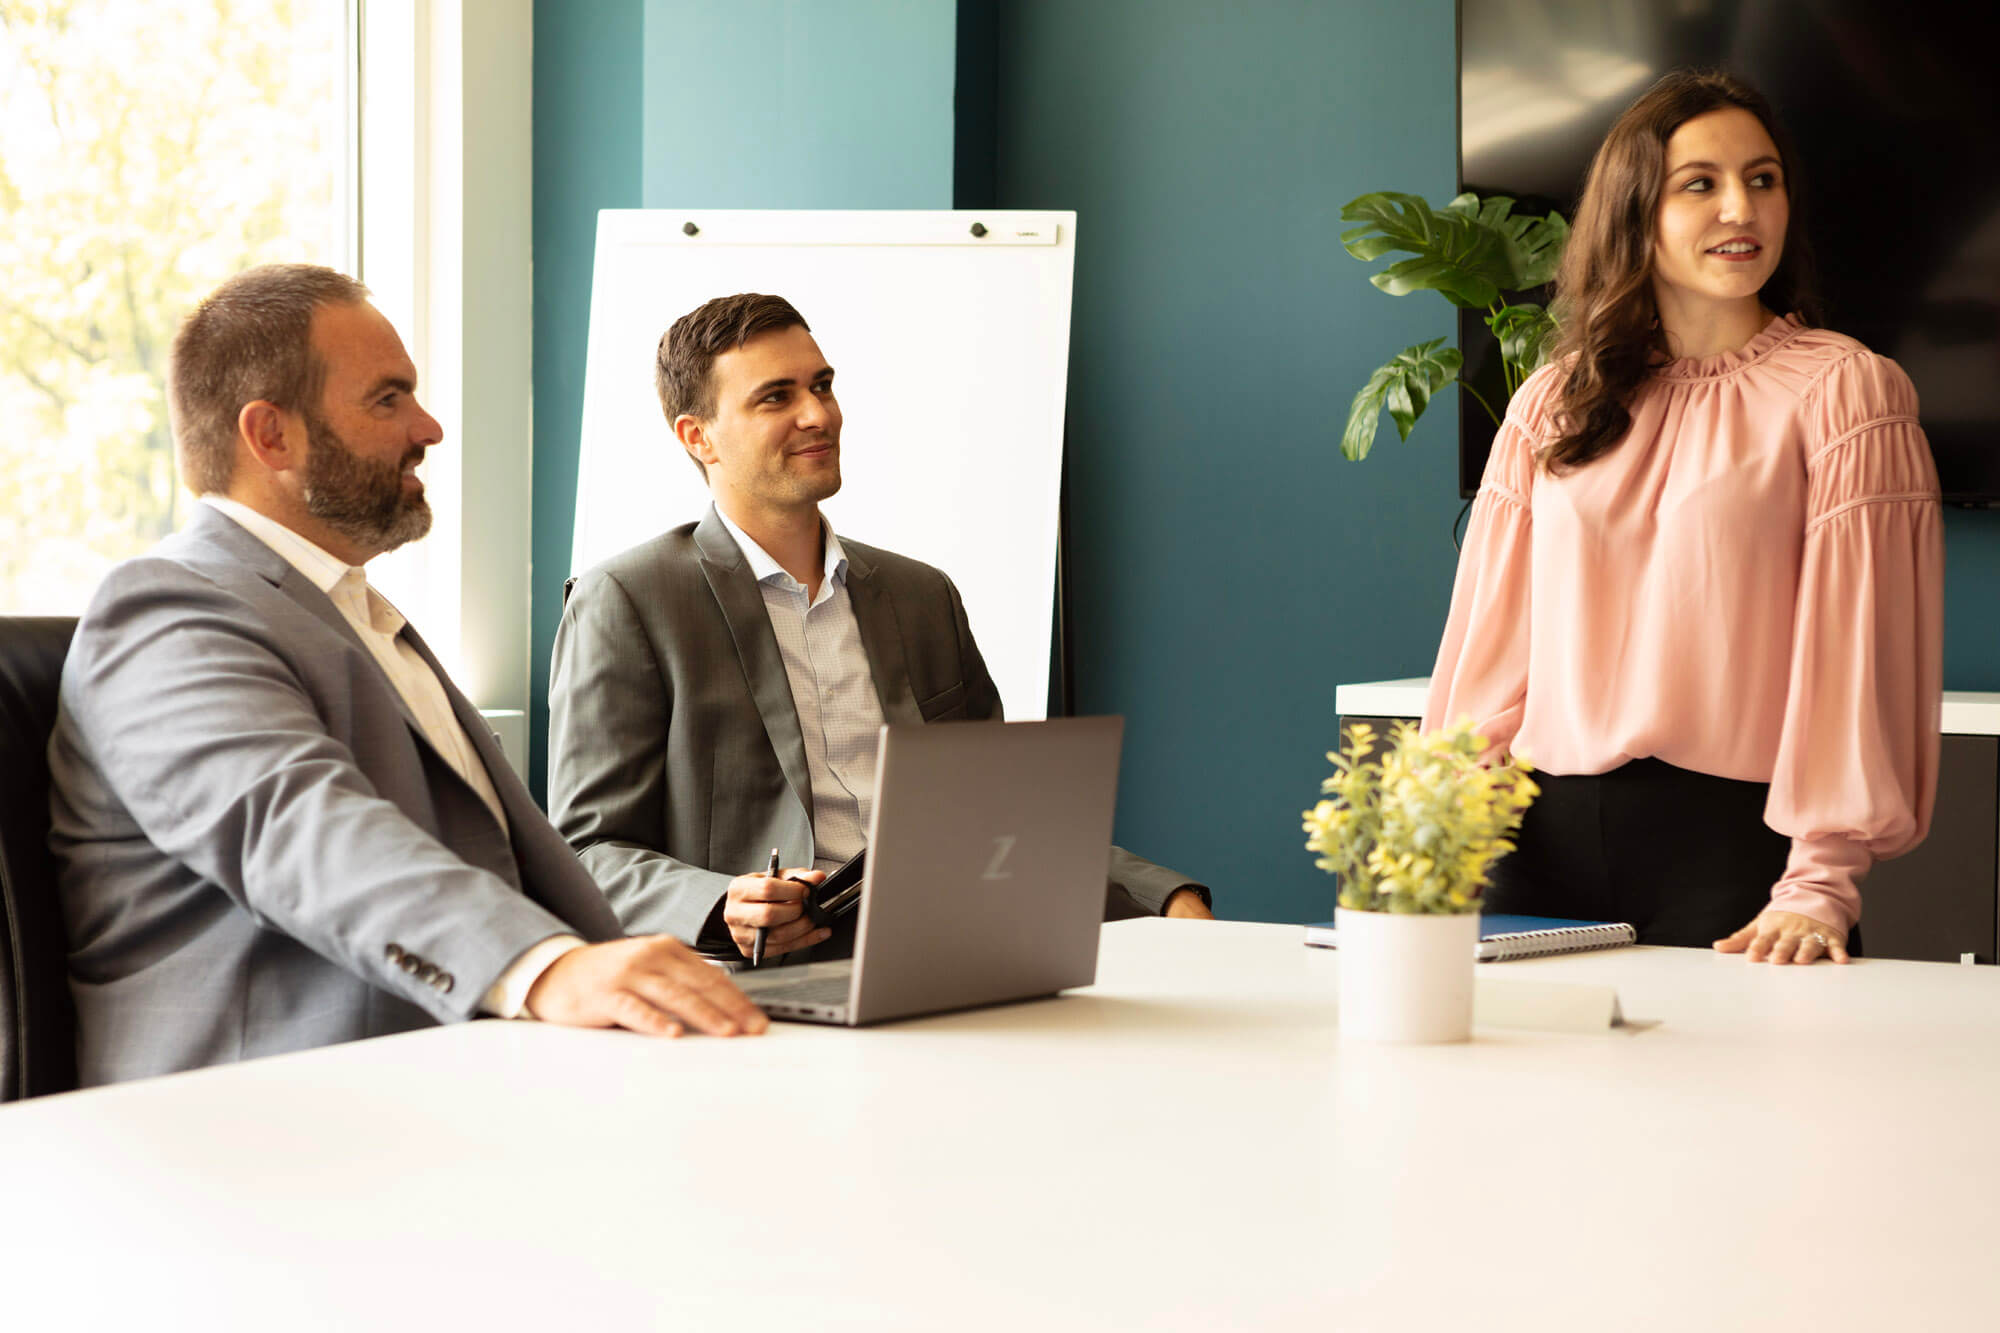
x,y
1607,319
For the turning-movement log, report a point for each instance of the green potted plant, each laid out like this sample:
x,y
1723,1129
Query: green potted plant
x,y
1411,832
1472,252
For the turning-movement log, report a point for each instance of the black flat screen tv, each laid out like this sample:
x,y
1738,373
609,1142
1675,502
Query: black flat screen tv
x,y
1896,111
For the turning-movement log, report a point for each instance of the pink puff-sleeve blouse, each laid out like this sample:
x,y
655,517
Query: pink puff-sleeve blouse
x,y
1750,584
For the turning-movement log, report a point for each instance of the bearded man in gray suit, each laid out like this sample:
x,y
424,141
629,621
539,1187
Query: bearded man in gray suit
x,y
277,823
716,692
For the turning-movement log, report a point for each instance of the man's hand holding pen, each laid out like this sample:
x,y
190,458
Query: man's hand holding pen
x,y
774,901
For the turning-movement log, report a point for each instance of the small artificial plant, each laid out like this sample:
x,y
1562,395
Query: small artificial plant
x,y
1473,252
1415,830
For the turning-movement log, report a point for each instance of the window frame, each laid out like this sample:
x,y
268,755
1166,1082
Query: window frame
x,y
445,211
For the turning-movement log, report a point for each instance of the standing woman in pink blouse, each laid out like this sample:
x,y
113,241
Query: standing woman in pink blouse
x,y
1702,587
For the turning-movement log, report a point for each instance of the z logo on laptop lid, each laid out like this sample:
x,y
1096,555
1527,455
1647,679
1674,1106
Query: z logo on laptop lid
x,y
1002,846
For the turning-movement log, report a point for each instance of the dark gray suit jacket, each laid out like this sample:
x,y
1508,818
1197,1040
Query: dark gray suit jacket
x,y
258,849
675,756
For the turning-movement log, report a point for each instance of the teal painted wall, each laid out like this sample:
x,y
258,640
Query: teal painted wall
x,y
795,104
1228,568
1972,599
689,103
588,125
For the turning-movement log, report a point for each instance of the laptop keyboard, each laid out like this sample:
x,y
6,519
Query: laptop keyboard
x,y
806,990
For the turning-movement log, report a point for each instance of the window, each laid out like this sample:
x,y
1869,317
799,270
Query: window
x,y
147,151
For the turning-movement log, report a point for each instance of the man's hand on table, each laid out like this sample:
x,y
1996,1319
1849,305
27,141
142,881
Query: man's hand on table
x,y
1187,903
653,984
779,905
1787,937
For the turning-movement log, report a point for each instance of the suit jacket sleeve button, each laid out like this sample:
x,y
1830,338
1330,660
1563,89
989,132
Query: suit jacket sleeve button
x,y
428,973
409,962
394,953
444,983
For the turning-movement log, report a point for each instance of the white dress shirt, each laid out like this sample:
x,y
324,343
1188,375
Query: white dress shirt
x,y
379,625
833,690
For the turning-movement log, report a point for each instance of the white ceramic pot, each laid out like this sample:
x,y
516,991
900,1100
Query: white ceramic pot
x,y
1406,978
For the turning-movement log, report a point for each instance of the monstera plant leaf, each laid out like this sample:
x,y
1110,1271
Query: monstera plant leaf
x,y
1523,332
1456,253
1404,386
1533,246
1538,245
1472,252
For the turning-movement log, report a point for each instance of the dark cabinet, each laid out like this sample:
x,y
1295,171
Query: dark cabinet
x,y
1939,902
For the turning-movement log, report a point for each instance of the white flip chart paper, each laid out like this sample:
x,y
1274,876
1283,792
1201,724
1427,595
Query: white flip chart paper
x,y
949,336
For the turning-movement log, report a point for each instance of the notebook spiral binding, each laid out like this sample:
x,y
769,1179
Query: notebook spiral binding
x,y
1534,943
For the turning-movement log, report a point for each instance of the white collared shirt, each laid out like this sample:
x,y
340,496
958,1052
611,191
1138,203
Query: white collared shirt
x,y
833,690
379,625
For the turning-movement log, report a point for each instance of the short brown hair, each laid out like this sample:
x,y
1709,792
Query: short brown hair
x,y
250,340
684,368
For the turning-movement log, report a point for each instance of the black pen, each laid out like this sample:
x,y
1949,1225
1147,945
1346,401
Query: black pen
x,y
757,940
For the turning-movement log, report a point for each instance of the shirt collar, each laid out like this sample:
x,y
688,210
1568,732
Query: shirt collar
x,y
764,568
320,567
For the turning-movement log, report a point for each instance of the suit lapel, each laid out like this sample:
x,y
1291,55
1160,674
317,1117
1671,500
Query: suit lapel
x,y
476,729
881,639
742,604
557,882
239,543
539,863
302,591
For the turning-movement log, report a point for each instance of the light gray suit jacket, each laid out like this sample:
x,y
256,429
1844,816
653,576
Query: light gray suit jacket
x,y
675,755
258,849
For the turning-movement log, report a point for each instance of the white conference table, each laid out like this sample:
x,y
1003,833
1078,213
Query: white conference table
x,y
1185,1145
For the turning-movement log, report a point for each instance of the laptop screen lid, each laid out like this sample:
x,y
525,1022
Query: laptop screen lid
x,y
988,854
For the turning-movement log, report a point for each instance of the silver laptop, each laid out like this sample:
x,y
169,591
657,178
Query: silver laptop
x,y
988,853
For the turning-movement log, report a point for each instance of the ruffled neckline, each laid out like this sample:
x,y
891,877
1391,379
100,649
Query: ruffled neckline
x,y
1781,330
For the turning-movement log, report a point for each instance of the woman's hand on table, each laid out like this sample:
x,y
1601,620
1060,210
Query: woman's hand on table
x,y
1787,937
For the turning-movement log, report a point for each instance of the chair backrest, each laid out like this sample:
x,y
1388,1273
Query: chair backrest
x,y
37,1022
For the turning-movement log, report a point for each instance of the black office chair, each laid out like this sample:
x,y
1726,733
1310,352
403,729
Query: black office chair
x,y
37,1023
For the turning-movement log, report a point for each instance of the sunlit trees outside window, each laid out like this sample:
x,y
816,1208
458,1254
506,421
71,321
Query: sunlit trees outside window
x,y
148,150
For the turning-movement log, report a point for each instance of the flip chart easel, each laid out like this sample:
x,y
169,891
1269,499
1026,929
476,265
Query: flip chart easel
x,y
949,336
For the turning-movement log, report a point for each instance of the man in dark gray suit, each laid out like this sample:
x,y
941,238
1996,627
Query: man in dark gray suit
x,y
716,691
277,823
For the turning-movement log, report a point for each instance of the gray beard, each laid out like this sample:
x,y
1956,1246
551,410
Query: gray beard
x,y
360,499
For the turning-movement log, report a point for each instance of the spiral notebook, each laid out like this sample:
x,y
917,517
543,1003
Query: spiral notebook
x,y
1502,936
